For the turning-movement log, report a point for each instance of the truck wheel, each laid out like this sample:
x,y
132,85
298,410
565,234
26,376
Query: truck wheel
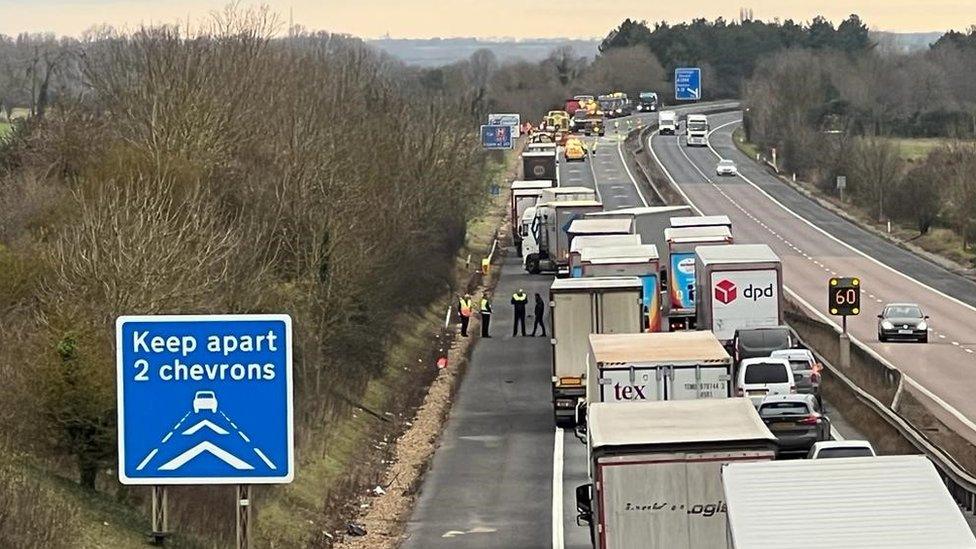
x,y
532,265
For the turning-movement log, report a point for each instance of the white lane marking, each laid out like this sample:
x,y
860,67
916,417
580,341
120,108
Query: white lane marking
x,y
955,343
874,354
557,490
143,463
832,237
630,175
941,336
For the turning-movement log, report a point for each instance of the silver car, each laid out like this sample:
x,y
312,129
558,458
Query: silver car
x,y
806,370
726,167
904,321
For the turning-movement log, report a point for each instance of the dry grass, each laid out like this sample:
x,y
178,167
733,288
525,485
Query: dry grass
x,y
915,149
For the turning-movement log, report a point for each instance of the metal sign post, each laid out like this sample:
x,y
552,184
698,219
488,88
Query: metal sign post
x,y
841,185
243,505
160,526
844,299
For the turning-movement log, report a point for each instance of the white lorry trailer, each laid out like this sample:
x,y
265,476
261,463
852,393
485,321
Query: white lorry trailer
x,y
546,246
641,261
701,221
524,194
649,221
580,243
567,194
881,502
598,227
696,128
580,307
680,304
653,367
737,286
667,122
655,471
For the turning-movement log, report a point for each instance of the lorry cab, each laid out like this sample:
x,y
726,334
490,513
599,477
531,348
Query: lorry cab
x,y
647,101
667,123
696,126
548,247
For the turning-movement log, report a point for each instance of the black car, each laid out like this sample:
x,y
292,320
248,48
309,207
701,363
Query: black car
x,y
904,321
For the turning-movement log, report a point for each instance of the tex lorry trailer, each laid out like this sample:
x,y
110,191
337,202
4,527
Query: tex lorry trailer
x,y
640,261
580,307
680,303
546,246
654,367
655,471
737,286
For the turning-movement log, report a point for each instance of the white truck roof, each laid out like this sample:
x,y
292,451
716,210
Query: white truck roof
x,y
596,283
599,240
634,252
736,253
676,422
571,203
599,226
641,210
536,152
881,502
700,221
700,346
712,233
537,184
571,190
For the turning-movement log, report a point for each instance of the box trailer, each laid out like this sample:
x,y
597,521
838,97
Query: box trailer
x,y
524,194
567,194
544,146
546,246
884,501
737,286
580,243
641,261
580,307
701,221
655,471
653,367
650,222
539,164
680,303
597,227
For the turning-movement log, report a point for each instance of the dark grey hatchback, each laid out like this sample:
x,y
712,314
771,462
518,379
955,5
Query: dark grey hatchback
x,y
903,321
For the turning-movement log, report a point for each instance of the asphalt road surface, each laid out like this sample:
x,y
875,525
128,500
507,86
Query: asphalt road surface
x,y
816,244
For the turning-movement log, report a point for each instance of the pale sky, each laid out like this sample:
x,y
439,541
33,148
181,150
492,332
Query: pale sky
x,y
482,18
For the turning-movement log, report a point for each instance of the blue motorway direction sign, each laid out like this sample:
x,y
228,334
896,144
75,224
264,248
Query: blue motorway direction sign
x,y
687,84
205,399
496,136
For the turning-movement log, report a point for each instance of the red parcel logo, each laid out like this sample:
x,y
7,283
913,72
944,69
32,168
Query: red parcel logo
x,y
726,292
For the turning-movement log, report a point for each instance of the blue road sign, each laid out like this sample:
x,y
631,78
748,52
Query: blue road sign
x,y
687,84
205,399
496,136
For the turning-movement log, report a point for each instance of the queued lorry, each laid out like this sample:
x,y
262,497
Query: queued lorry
x,y
580,307
524,195
655,471
680,304
582,242
649,221
635,260
701,221
883,501
656,367
540,164
565,194
545,247
737,286
581,228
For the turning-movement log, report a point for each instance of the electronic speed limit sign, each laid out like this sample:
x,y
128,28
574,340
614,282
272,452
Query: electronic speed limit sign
x,y
844,296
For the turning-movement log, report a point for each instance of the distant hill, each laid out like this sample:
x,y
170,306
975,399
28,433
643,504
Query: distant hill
x,y
904,42
442,51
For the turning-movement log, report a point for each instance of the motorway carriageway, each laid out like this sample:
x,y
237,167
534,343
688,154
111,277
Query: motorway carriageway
x,y
503,476
816,244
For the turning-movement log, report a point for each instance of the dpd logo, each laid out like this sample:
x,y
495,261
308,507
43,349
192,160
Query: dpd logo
x,y
726,291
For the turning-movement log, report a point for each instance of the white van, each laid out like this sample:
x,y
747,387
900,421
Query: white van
x,y
758,378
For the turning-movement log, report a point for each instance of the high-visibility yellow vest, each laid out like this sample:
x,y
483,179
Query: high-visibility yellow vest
x,y
485,309
465,307
520,297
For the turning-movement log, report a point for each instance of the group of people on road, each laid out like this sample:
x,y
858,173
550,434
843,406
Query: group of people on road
x,y
519,301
